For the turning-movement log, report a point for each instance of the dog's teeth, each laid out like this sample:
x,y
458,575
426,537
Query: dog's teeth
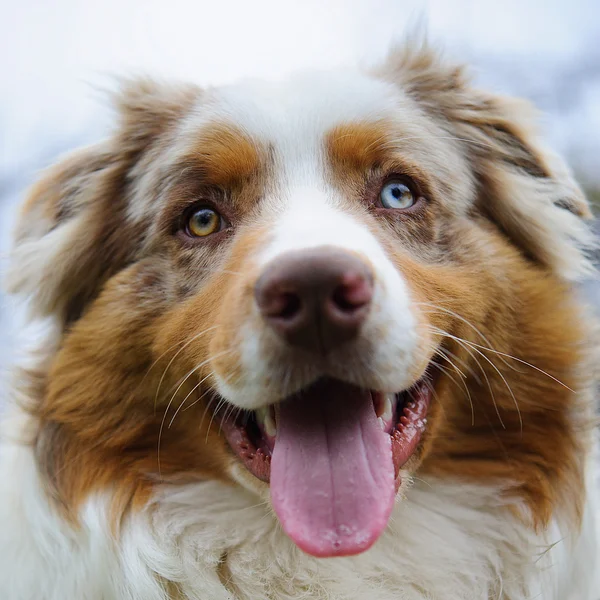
x,y
270,428
266,418
388,408
381,423
261,413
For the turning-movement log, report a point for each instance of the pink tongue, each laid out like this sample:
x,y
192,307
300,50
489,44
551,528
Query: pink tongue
x,y
332,474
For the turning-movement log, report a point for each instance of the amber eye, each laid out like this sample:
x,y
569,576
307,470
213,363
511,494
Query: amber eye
x,y
203,221
396,194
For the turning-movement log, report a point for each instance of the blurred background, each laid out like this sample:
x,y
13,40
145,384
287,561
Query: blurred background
x,y
57,56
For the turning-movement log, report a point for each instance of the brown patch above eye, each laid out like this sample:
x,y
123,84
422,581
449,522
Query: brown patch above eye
x,y
226,155
363,154
356,145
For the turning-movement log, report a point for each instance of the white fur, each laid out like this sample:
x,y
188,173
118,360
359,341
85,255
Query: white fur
x,y
307,212
446,540
309,218
295,112
42,557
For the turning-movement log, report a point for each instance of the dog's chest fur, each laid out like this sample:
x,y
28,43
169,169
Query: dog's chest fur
x,y
445,541
212,542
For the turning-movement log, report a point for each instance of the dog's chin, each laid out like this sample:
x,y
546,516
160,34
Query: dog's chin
x,y
334,456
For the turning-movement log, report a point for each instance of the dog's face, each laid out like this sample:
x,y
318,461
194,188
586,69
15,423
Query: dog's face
x,y
317,287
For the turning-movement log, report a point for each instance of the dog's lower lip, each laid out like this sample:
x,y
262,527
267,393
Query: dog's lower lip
x,y
253,446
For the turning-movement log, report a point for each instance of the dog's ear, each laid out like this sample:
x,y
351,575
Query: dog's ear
x,y
525,188
73,232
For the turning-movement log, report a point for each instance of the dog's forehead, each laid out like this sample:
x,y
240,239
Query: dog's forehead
x,y
301,109
290,134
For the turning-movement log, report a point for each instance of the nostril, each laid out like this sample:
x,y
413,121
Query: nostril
x,y
315,299
290,306
281,305
352,293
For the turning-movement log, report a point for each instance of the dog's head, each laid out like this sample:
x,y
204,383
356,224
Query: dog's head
x,y
319,286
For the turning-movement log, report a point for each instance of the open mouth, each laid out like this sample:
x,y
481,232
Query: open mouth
x,y
332,454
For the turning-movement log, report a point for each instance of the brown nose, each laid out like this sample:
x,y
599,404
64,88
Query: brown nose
x,y
315,299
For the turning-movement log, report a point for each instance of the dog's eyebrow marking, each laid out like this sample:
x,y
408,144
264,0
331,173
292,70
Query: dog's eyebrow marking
x,y
358,148
358,145
226,155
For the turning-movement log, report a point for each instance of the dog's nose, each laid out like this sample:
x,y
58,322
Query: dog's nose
x,y
315,299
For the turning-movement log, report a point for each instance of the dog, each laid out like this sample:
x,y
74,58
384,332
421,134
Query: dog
x,y
317,338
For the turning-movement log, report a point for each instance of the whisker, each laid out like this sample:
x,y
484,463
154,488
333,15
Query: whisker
x,y
435,396
466,322
469,350
233,412
525,363
499,373
507,387
218,271
188,395
181,381
422,481
466,388
442,354
198,400
498,352
193,339
259,505
221,403
447,353
162,424
169,349
214,396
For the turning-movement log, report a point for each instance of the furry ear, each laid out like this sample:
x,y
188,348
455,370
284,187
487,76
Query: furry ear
x,y
73,232
54,256
525,188
148,108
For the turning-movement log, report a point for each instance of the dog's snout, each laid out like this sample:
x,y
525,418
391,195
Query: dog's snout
x,y
315,299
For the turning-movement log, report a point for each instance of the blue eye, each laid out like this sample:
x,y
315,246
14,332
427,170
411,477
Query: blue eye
x,y
396,194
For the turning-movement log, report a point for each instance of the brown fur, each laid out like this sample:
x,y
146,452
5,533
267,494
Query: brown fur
x,y
226,155
500,428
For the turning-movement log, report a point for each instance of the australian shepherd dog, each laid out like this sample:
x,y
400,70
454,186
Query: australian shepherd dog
x,y
312,339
